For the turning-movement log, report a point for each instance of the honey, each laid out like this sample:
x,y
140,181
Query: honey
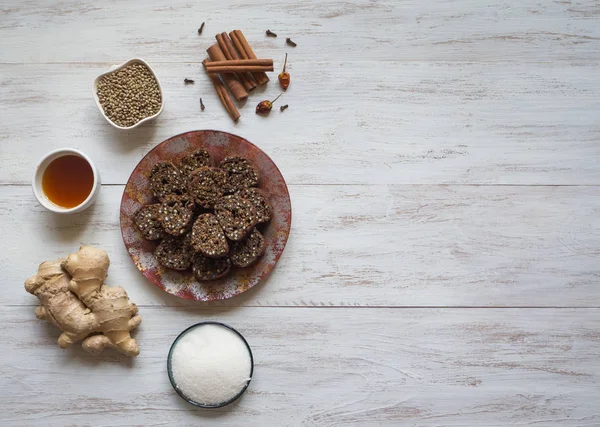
x,y
68,181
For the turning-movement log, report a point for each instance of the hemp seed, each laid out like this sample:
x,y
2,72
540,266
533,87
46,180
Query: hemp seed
x,y
129,94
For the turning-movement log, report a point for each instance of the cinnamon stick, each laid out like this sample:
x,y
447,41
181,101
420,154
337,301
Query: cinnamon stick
x,y
223,95
230,53
245,51
240,62
228,69
235,87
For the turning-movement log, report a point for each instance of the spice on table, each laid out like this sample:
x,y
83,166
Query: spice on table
x,y
284,78
186,81
265,107
74,297
201,105
200,29
246,52
290,42
271,33
129,94
231,54
223,95
283,107
218,57
237,65
210,364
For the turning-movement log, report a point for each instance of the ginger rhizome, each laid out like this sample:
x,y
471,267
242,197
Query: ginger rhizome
x,y
74,297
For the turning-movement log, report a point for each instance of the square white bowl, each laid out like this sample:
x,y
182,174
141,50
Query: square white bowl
x,y
115,68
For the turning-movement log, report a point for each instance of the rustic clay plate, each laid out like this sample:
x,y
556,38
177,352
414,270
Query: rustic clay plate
x,y
220,145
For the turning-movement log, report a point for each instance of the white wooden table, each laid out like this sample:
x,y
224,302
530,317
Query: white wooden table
x,y
443,162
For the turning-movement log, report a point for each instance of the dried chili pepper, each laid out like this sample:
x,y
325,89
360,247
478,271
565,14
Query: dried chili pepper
x,y
264,107
284,78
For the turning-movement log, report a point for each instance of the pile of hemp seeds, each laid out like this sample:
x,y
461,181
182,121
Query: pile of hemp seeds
x,y
129,95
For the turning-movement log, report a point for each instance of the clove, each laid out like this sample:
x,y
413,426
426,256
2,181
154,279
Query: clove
x,y
200,29
186,80
201,105
271,33
283,107
290,42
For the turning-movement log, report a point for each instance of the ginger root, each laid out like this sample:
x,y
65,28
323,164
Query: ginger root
x,y
74,297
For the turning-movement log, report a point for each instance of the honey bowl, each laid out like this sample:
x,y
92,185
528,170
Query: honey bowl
x,y
66,181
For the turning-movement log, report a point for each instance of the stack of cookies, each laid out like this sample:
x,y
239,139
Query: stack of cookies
x,y
205,216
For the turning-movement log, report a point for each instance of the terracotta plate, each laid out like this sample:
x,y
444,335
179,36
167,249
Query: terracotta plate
x,y
220,145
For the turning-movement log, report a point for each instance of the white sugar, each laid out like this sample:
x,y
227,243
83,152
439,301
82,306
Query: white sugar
x,y
210,364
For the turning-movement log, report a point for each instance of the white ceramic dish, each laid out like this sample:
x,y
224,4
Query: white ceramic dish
x,y
39,173
116,68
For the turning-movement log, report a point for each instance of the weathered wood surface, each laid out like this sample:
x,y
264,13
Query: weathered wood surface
x,y
443,161
324,367
397,123
367,245
365,30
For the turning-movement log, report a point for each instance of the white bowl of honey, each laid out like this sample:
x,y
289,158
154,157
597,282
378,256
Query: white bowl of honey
x,y
66,181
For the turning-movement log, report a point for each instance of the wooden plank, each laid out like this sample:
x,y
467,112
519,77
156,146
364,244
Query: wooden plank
x,y
365,245
456,30
317,367
348,123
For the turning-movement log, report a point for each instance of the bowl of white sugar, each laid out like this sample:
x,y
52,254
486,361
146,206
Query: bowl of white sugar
x,y
210,364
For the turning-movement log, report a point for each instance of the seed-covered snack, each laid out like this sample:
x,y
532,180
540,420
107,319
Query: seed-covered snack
x,y
146,220
205,268
206,186
129,95
259,200
166,179
236,216
240,173
176,213
208,237
247,251
196,160
220,237
175,253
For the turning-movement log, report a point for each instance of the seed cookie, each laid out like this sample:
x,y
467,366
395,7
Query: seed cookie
x,y
245,252
174,253
176,213
236,216
208,237
166,179
205,268
196,160
207,185
259,200
146,220
240,173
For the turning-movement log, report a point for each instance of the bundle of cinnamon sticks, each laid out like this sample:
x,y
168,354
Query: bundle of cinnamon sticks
x,y
234,66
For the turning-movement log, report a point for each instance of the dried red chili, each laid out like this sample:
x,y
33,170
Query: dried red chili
x,y
264,107
284,78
